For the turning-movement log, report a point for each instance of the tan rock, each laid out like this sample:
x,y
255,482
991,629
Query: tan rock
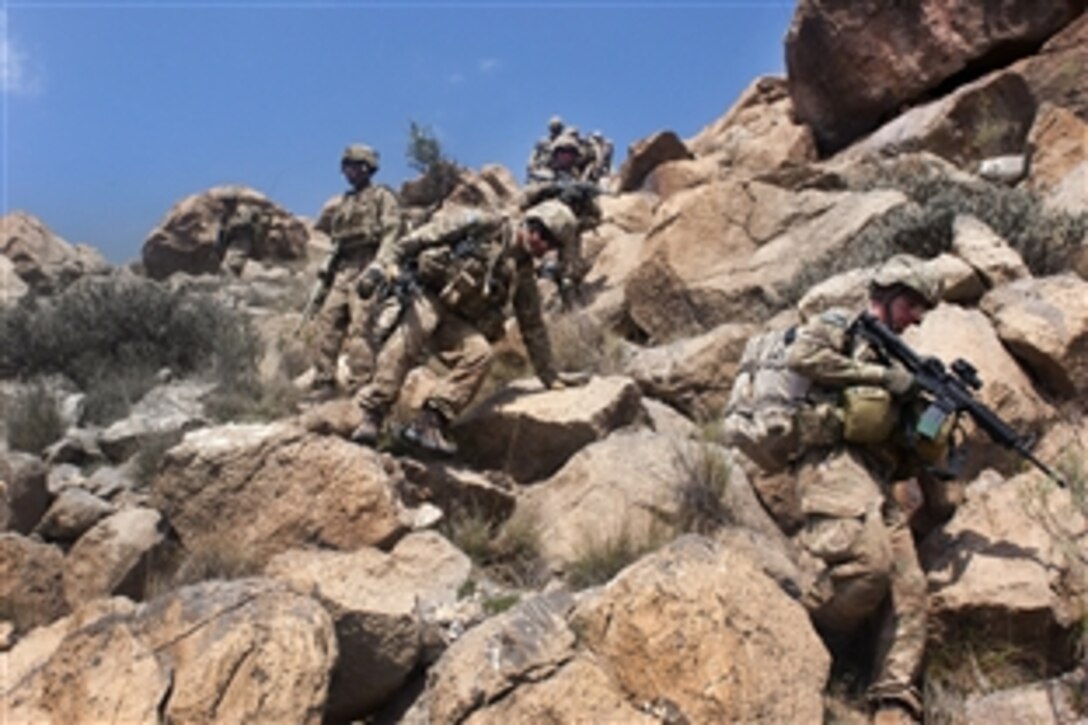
x,y
275,487
1044,322
632,212
645,155
961,281
457,489
492,188
40,258
700,630
977,244
1057,140
26,496
114,557
672,177
1051,702
241,651
851,67
31,582
12,286
603,285
378,603
695,374
71,514
1010,554
185,239
529,432
1055,72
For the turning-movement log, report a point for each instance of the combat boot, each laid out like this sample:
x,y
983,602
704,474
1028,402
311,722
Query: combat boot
x,y
367,432
428,431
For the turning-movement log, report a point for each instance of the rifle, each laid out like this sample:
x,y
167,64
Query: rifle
x,y
950,392
385,317
320,289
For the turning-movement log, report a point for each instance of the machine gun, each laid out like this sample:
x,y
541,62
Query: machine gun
x,y
321,286
950,393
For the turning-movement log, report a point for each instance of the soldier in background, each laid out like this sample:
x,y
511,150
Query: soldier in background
x,y
542,149
240,228
601,165
367,217
466,266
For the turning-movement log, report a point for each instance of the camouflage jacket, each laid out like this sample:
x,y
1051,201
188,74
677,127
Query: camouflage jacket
x,y
824,352
366,218
471,261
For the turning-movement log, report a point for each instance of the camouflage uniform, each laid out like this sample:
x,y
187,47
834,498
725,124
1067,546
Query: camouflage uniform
x,y
855,536
601,153
238,234
365,219
541,156
468,267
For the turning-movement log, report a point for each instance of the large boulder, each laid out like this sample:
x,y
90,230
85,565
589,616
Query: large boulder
x,y
263,489
1059,160
645,155
42,259
12,286
529,432
378,602
31,582
852,66
1051,702
1044,322
493,187
26,494
1055,73
163,415
758,133
994,259
1011,559
694,374
185,240
701,632
72,513
116,557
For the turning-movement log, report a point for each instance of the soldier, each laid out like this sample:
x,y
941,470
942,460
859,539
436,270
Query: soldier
x,y
541,154
837,407
467,266
601,165
367,217
239,229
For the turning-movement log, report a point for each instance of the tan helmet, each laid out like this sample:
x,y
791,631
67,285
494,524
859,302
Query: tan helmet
x,y
557,218
555,124
905,270
566,140
360,153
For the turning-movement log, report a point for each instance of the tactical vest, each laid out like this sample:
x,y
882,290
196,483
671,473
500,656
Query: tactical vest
x,y
357,223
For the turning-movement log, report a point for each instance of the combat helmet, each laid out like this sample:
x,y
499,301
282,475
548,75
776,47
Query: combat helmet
x,y
360,153
905,270
557,218
566,140
555,124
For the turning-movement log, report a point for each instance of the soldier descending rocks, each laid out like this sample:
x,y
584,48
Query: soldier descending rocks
x,y
817,403
466,266
367,217
542,149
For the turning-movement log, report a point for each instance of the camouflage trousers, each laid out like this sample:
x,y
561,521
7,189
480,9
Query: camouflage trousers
x,y
858,546
426,324
343,324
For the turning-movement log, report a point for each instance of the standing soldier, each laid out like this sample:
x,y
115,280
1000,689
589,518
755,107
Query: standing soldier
x,y
240,226
828,411
542,149
367,217
467,266
601,165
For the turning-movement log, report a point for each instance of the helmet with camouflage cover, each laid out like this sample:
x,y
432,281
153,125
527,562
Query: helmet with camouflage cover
x,y
358,153
905,270
555,124
557,218
566,140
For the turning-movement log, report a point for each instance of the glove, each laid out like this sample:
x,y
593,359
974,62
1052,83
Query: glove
x,y
898,381
369,281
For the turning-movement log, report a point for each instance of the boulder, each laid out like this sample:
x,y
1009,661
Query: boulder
x,y
240,651
26,494
633,212
1008,561
672,177
456,489
852,66
1058,149
529,432
115,557
758,133
986,118
1055,73
41,259
996,262
639,487
1051,702
185,239
645,155
694,374
1008,169
1044,323
72,513
700,631
603,285
378,603
164,414
493,187
31,582
275,487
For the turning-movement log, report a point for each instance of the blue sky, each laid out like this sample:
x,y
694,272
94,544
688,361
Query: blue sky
x,y
113,111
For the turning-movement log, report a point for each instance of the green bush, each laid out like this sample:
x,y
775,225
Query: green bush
x,y
33,420
111,336
425,155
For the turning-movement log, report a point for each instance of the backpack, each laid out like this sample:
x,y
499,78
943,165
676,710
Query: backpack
x,y
760,418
